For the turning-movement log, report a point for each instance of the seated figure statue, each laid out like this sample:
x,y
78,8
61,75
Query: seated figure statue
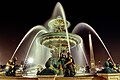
x,y
69,66
108,67
12,67
47,70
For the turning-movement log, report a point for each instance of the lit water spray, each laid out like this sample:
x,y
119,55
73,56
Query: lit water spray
x,y
59,11
40,32
36,28
84,25
42,39
82,49
64,18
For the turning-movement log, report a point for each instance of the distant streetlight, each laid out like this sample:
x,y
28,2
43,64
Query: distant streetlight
x,y
30,60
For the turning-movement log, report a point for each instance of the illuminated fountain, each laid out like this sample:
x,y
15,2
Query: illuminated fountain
x,y
42,40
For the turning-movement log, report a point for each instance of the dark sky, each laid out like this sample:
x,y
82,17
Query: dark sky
x,y
18,17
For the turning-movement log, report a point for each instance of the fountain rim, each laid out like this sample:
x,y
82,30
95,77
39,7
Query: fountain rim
x,y
74,38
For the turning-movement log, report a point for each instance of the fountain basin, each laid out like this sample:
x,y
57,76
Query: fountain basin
x,y
59,39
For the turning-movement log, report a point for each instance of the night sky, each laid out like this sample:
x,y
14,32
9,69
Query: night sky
x,y
19,17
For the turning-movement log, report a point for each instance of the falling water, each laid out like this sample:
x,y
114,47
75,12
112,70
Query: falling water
x,y
82,49
84,25
36,28
40,32
78,54
34,48
38,52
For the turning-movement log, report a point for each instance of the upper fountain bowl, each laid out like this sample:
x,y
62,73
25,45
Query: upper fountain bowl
x,y
58,24
57,37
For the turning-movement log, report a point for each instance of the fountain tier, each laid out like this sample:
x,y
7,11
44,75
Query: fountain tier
x,y
54,39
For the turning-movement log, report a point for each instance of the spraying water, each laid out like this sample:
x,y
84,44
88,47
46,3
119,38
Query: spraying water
x,y
84,25
40,32
81,47
59,11
36,28
78,54
40,53
64,18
